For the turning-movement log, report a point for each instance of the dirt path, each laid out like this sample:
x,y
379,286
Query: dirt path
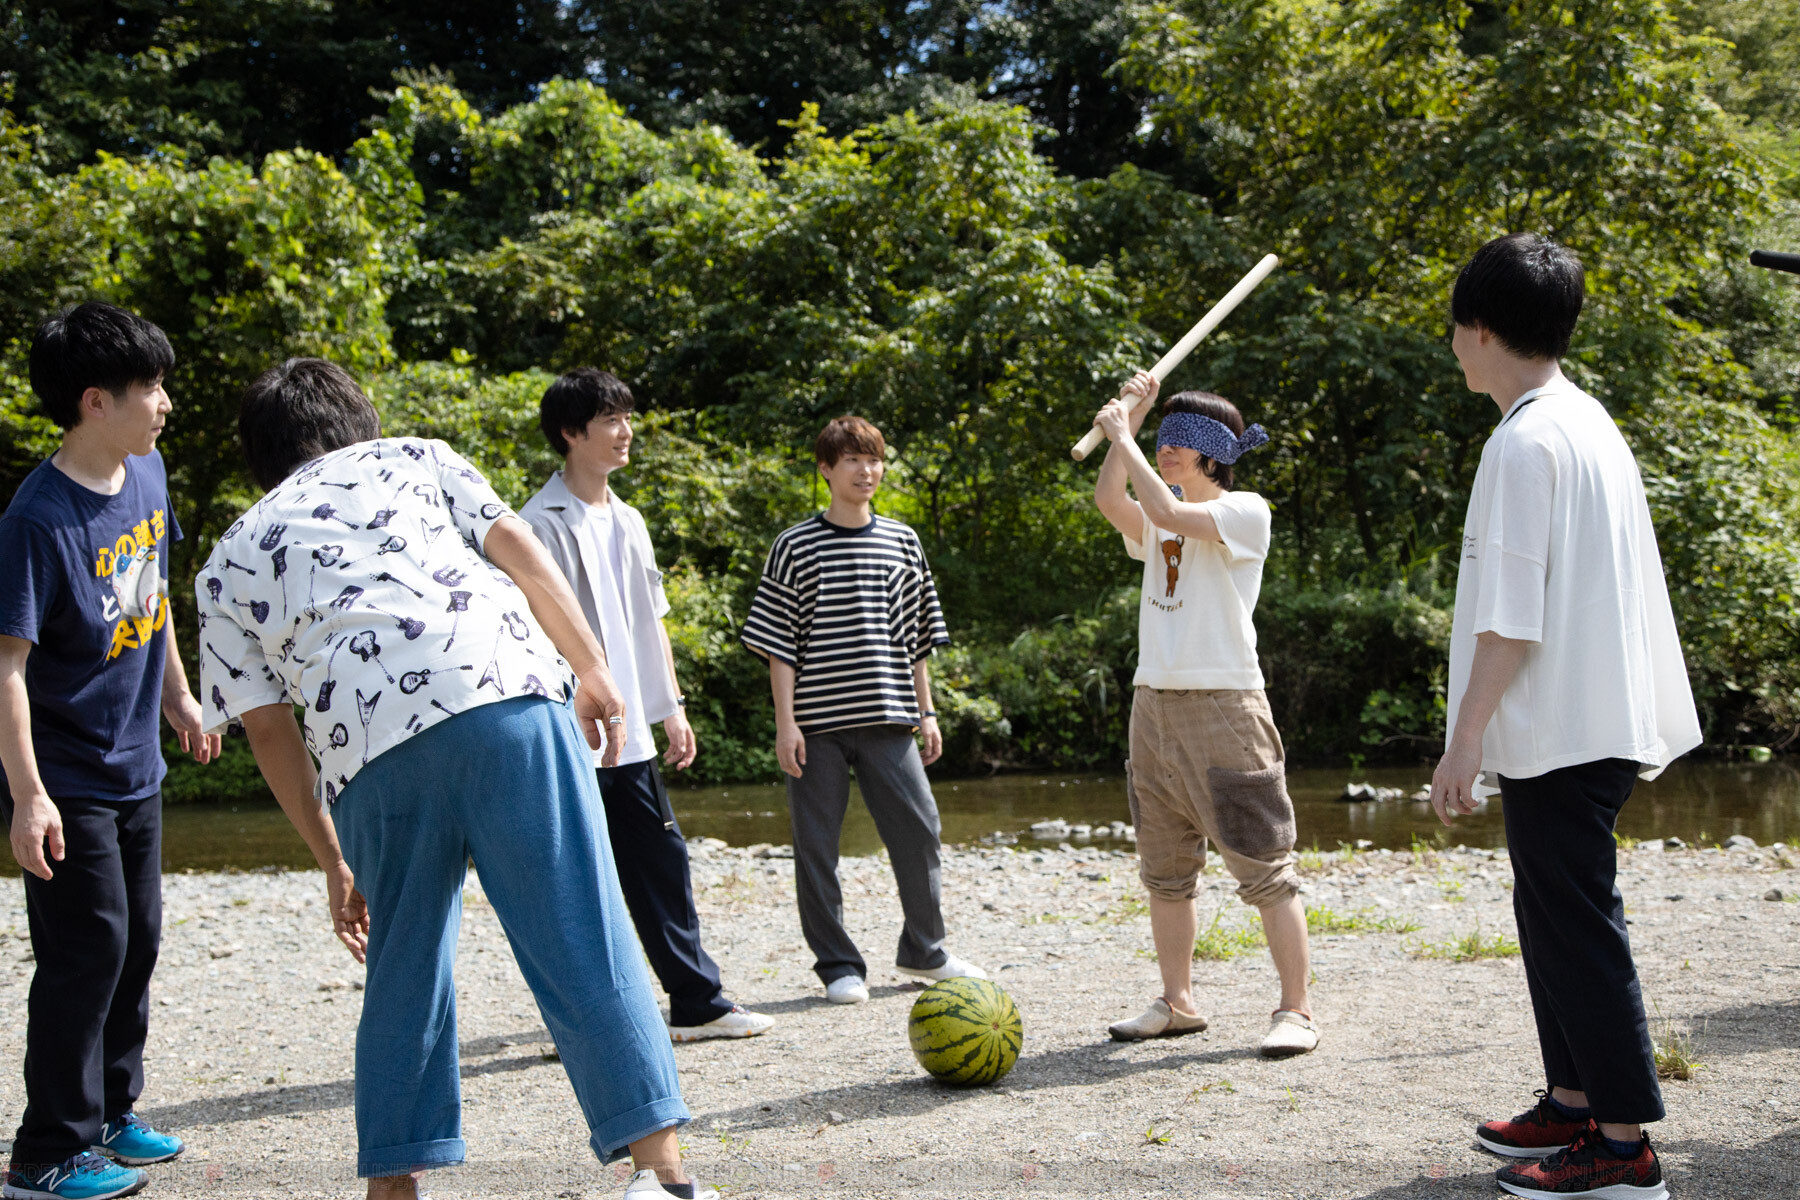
x,y
255,1009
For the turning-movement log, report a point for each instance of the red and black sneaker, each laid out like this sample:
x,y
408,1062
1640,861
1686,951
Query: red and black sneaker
x,y
1588,1167
1543,1130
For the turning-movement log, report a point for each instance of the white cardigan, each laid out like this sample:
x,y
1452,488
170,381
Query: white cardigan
x,y
549,515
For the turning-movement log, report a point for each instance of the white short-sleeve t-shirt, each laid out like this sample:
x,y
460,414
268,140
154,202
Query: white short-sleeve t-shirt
x,y
601,525
1558,550
1194,619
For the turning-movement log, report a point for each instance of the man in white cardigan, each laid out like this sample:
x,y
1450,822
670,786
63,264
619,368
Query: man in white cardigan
x,y
603,546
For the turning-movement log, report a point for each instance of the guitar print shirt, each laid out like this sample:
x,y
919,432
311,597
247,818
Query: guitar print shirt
x,y
357,589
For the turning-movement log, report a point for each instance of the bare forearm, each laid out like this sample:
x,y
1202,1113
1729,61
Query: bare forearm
x,y
1496,663
922,684
286,766
781,685
175,680
1158,501
17,754
511,546
662,631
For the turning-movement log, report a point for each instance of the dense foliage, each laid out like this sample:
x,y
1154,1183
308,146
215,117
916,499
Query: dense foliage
x,y
968,224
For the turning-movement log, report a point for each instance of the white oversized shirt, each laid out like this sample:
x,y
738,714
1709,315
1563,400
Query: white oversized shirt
x,y
1194,617
357,588
1558,550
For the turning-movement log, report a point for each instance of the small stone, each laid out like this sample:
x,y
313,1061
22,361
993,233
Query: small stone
x,y
1774,894
1674,896
1738,841
1088,1135
988,906
223,951
1674,843
835,1117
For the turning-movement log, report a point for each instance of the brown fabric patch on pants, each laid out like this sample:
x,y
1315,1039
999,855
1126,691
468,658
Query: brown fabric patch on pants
x,y
1208,765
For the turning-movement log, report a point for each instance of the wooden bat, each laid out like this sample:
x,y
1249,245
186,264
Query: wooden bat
x,y
1189,340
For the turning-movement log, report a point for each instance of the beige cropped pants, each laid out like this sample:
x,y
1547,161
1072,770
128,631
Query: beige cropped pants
x,y
1209,766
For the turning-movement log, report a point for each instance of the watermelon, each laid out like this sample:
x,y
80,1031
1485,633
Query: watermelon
x,y
966,1031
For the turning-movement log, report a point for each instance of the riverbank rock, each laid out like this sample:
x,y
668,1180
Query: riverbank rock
x,y
1361,793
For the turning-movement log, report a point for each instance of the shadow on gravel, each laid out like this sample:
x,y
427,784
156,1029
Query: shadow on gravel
x,y
1745,1028
1431,1185
340,1093
1769,1169
920,1094
816,1000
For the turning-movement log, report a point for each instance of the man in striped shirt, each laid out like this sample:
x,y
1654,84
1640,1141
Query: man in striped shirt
x,y
847,616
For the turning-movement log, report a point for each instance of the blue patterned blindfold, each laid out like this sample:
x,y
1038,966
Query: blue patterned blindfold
x,y
1212,438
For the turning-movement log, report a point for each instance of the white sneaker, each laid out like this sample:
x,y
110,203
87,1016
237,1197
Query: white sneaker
x,y
645,1183
738,1023
847,989
951,968
1290,1033
1159,1021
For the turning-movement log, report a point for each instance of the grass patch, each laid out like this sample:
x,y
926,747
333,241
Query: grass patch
x,y
1367,920
1130,909
1219,941
1470,947
1452,889
1676,1056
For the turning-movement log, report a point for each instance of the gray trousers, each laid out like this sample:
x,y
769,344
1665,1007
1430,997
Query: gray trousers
x,y
892,778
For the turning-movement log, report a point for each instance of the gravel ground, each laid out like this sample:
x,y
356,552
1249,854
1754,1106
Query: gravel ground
x,y
255,1008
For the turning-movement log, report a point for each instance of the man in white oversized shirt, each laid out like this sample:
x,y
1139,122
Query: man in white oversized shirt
x,y
603,547
1566,686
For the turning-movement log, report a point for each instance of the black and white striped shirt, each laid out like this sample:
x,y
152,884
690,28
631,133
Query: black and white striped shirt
x,y
853,610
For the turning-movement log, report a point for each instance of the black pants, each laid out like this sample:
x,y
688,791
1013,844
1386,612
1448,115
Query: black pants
x,y
95,929
659,892
1584,986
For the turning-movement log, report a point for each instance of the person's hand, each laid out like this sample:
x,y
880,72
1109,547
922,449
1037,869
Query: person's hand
x,y
183,713
790,748
682,746
933,748
1453,783
1115,421
1139,393
600,712
349,911
35,821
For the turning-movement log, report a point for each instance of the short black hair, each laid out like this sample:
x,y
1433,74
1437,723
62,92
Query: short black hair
x,y
1219,409
577,398
296,412
1526,290
93,345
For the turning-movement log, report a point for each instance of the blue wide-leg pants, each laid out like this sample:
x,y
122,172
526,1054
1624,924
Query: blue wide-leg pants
x,y
510,785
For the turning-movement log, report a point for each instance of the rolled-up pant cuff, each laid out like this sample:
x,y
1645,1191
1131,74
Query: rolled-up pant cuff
x,y
611,1139
388,1161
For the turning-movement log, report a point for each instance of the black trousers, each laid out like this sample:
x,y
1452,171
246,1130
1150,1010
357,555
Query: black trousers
x,y
659,891
1584,986
95,929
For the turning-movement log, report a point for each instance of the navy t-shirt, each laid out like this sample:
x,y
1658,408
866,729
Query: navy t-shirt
x,y
85,579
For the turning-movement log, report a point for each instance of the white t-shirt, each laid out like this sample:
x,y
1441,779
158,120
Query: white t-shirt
x,y
1558,550
1194,626
606,535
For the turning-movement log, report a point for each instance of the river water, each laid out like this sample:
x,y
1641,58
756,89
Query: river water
x,y
1696,801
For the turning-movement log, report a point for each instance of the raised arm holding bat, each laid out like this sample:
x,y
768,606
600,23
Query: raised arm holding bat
x,y
1206,760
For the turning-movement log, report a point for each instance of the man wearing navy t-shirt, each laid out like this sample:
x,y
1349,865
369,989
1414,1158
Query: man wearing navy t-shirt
x,y
87,658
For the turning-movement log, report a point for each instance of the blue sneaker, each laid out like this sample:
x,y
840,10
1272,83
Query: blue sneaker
x,y
131,1141
87,1176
